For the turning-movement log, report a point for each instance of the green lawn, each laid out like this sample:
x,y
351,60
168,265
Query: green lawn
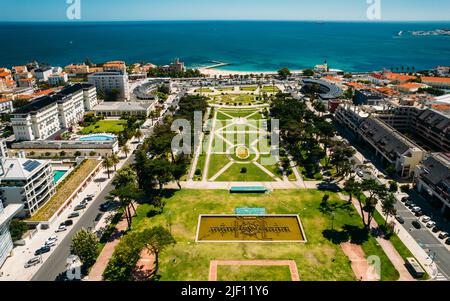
x,y
216,163
231,99
321,258
203,90
270,89
105,126
249,88
253,174
253,273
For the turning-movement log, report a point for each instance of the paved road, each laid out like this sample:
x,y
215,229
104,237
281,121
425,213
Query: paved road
x,y
424,237
56,263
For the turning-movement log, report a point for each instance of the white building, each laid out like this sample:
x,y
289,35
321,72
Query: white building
x,y
48,114
58,78
24,182
42,74
117,109
6,106
6,243
37,120
109,81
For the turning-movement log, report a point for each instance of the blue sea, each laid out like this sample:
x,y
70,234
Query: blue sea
x,y
246,45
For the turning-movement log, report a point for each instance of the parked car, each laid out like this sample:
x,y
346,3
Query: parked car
x,y
416,209
91,195
52,238
405,199
105,206
61,228
447,242
98,217
42,250
50,243
68,222
79,207
436,229
400,219
74,214
418,214
426,219
431,224
443,235
416,224
408,203
32,262
360,174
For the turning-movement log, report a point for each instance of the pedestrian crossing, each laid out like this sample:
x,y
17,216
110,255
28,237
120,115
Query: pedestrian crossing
x,y
440,277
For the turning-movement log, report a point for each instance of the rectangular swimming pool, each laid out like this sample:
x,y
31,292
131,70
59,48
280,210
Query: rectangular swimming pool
x,y
58,174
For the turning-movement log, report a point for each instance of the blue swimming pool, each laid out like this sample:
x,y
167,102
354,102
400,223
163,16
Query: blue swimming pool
x,y
58,174
97,138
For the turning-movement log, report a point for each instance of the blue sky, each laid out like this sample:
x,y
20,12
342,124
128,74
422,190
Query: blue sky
x,y
112,10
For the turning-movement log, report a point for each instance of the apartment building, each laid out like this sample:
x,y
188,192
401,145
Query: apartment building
x,y
6,106
389,146
48,114
26,182
36,120
437,82
115,66
58,78
109,81
6,243
429,127
432,179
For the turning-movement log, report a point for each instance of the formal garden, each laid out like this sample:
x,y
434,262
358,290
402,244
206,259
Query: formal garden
x,y
240,148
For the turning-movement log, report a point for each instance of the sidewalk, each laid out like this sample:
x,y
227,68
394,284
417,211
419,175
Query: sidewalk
x,y
387,247
96,273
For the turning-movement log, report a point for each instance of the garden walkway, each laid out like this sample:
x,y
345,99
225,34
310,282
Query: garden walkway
x,y
96,273
387,247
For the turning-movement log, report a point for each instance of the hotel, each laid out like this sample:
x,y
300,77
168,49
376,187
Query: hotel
x,y
109,81
46,115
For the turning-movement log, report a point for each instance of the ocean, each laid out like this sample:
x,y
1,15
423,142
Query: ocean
x,y
245,45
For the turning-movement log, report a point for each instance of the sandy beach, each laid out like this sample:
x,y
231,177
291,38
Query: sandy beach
x,y
211,71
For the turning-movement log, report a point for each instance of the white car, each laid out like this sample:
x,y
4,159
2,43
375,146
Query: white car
x,y
32,262
426,219
61,229
431,224
50,244
360,173
416,209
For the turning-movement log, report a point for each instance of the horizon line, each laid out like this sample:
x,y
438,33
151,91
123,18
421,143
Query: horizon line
x,y
223,20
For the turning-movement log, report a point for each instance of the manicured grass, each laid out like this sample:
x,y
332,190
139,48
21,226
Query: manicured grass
x,y
200,165
270,89
249,88
105,126
203,90
253,273
216,163
253,174
65,189
321,258
231,99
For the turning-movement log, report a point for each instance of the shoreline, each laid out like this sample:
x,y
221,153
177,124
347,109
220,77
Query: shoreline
x,y
212,71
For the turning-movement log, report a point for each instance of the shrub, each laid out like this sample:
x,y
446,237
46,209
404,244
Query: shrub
x,y
393,186
92,153
244,170
404,188
198,172
77,154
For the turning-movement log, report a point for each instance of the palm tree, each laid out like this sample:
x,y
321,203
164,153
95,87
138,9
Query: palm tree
x,y
107,163
114,160
138,134
388,206
125,150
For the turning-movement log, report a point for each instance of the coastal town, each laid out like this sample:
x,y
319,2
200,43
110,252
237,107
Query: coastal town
x,y
91,188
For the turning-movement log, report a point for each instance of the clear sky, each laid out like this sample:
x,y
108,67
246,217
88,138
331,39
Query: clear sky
x,y
112,10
